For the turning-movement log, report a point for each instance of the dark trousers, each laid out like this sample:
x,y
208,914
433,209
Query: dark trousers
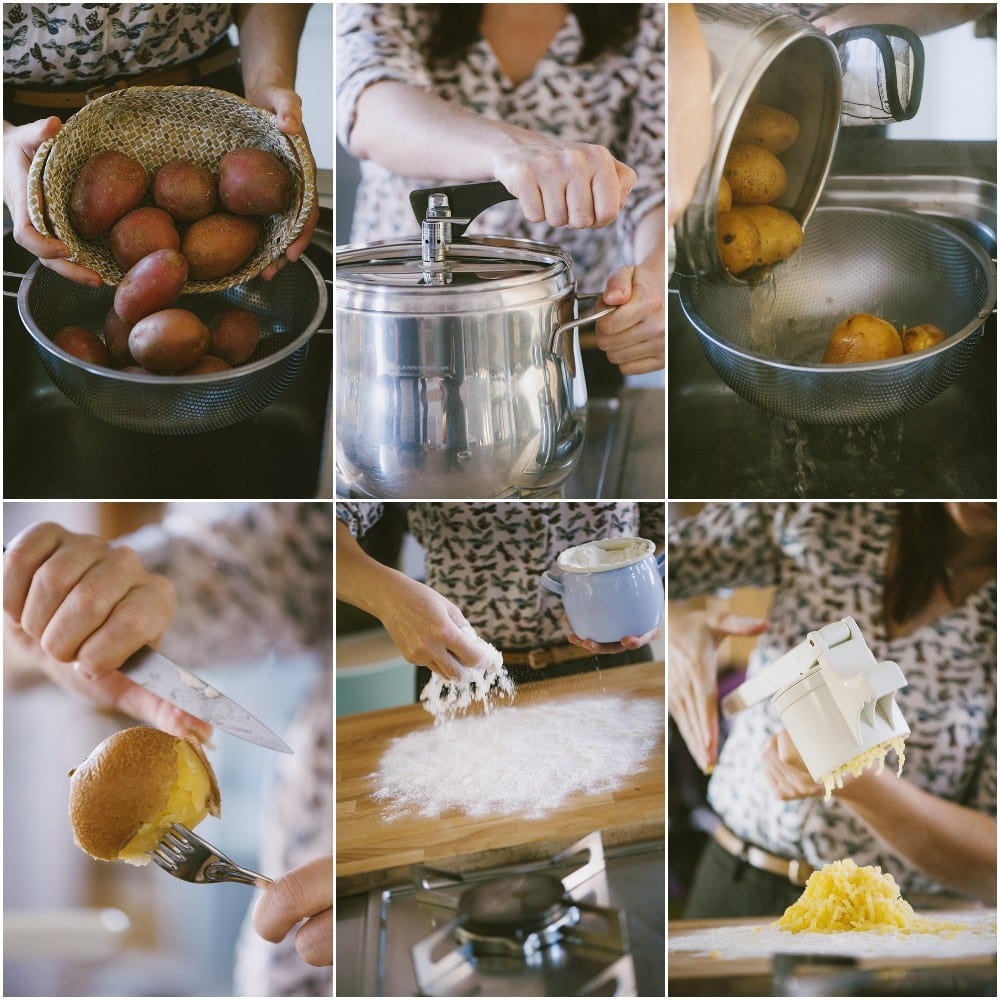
x,y
725,886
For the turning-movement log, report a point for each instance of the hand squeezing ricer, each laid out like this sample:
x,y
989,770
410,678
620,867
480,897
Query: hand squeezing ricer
x,y
833,697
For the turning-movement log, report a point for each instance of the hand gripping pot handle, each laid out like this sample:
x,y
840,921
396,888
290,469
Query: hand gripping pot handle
x,y
580,320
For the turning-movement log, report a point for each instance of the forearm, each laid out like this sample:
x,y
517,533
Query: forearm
x,y
924,18
361,580
952,844
269,42
650,239
415,134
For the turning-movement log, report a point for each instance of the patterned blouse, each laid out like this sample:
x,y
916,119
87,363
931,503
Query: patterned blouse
x,y
487,558
61,43
248,585
828,561
616,101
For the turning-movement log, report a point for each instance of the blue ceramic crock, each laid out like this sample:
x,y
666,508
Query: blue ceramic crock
x,y
608,603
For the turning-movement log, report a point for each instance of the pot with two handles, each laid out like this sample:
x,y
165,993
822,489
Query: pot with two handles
x,y
458,361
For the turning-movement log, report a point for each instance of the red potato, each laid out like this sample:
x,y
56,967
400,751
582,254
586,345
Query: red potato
x,y
219,244
139,233
208,366
116,332
108,186
171,340
83,344
184,189
235,334
253,182
151,285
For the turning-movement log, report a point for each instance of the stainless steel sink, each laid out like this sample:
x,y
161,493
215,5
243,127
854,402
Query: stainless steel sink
x,y
722,447
53,449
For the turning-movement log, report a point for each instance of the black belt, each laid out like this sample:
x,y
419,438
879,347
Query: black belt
x,y
220,56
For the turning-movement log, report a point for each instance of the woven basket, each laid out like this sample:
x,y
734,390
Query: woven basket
x,y
155,125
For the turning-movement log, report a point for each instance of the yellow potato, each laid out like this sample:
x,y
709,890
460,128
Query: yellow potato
x,y
756,176
919,338
739,241
780,233
863,337
771,128
725,200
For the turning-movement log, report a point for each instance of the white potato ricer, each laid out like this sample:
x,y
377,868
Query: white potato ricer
x,y
833,697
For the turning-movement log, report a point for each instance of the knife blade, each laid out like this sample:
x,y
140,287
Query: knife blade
x,y
198,698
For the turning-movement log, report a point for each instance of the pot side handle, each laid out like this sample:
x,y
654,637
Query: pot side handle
x,y
549,582
580,320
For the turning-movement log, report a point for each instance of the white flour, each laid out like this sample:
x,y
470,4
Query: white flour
x,y
605,553
520,760
485,683
725,943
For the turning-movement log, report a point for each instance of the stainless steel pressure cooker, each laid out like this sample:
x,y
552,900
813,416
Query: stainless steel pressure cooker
x,y
459,372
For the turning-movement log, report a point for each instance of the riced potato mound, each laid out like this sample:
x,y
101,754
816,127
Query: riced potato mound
x,y
843,896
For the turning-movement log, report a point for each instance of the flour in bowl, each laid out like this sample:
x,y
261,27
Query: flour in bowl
x,y
526,760
605,553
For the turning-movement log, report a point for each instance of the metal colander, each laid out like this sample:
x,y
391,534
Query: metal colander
x,y
289,308
905,268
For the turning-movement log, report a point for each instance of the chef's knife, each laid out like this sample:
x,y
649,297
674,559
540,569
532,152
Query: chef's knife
x,y
197,697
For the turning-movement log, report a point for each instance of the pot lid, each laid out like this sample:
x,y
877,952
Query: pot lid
x,y
467,264
475,276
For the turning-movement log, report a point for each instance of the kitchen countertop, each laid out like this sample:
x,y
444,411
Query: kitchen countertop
x,y
372,850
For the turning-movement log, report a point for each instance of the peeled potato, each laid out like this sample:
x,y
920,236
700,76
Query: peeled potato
x,y
863,337
780,233
756,175
739,241
133,787
771,128
725,200
919,338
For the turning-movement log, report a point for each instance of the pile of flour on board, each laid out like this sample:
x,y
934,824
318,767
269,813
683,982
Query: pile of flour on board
x,y
525,760
486,683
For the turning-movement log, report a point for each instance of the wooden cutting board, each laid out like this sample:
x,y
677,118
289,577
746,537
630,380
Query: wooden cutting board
x,y
373,850
744,947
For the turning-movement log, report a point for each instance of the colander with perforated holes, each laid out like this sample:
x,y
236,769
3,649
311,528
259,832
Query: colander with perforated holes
x,y
903,267
289,308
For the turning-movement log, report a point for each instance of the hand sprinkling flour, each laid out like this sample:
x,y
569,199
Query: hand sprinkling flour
x,y
485,683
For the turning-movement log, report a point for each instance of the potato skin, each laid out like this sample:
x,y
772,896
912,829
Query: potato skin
x,y
780,233
171,340
863,337
150,285
739,241
83,344
235,334
219,244
253,182
724,202
208,365
108,185
769,127
140,232
116,332
756,176
919,338
184,189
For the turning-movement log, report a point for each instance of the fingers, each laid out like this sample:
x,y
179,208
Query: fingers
x,y
303,893
133,699
617,291
723,623
295,249
574,184
82,599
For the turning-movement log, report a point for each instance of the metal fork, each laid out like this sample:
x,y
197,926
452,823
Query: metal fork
x,y
186,856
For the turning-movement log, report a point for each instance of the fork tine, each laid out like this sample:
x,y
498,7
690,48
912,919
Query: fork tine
x,y
163,861
179,844
170,852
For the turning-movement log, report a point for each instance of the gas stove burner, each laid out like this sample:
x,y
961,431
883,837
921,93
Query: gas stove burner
x,y
521,924
518,913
